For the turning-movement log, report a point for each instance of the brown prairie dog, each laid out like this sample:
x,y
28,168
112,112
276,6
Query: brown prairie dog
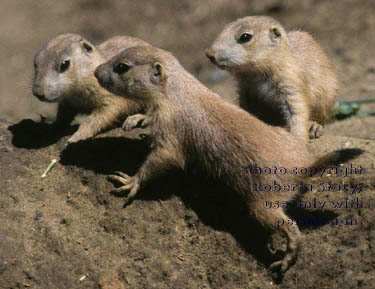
x,y
64,73
284,78
188,132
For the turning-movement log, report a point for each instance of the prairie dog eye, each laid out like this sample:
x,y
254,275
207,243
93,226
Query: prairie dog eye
x,y
246,37
121,68
64,66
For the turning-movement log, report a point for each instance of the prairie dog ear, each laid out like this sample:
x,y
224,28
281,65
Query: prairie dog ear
x,y
158,75
275,33
86,46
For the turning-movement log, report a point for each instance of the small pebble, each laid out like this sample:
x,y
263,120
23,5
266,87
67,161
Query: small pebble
x,y
123,219
340,51
3,267
38,215
341,250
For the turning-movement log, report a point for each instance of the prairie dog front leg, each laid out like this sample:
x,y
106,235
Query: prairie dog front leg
x,y
297,116
157,162
104,118
98,121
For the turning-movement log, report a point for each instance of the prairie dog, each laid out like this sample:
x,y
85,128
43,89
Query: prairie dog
x,y
64,73
187,132
284,78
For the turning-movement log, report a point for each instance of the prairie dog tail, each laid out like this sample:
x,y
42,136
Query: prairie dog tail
x,y
335,158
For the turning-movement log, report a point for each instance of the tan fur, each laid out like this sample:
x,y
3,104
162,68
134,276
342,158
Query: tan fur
x,y
284,79
188,132
76,89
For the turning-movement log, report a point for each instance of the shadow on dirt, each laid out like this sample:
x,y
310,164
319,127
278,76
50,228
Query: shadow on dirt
x,y
106,155
33,135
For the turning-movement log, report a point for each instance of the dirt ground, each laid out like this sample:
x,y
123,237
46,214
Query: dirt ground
x,y
68,231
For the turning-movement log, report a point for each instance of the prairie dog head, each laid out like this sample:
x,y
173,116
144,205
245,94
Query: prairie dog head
x,y
62,67
247,44
139,73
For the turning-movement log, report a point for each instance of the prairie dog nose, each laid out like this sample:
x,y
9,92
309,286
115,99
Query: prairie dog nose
x,y
102,75
99,71
211,54
38,91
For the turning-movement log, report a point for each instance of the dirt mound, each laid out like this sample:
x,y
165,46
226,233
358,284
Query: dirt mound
x,y
67,231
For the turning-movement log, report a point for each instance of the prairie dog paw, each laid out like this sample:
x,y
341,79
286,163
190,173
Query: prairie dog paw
x,y
133,121
129,183
316,130
75,138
